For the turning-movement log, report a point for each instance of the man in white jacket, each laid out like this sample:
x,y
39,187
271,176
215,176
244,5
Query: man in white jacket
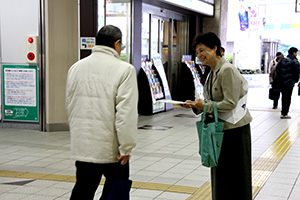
x,y
101,101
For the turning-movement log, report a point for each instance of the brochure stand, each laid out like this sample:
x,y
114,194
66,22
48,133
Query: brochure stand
x,y
196,78
190,86
150,90
161,71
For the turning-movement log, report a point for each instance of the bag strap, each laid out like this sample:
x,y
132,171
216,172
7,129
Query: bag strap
x,y
216,112
203,116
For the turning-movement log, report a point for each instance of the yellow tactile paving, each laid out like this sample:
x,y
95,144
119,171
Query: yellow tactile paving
x,y
264,166
55,177
268,161
12,174
262,169
137,184
182,189
253,109
154,186
203,193
68,178
29,175
71,179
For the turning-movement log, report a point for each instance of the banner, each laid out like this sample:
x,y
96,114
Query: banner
x,y
243,16
254,20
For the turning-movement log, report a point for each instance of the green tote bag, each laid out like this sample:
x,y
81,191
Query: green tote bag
x,y
210,138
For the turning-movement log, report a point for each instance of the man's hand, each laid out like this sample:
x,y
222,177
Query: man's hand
x,y
123,159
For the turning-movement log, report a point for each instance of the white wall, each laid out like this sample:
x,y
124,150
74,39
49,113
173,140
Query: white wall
x,y
18,18
247,43
282,24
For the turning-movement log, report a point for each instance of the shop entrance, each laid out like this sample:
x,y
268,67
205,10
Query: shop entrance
x,y
165,33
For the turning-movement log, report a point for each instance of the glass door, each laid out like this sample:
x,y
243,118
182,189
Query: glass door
x,y
165,33
151,36
118,13
145,37
155,36
162,36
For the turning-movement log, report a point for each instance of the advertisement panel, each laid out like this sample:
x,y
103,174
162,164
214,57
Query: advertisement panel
x,y
20,93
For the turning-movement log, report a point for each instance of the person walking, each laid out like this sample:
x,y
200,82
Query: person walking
x,y
227,88
287,74
275,85
101,102
274,62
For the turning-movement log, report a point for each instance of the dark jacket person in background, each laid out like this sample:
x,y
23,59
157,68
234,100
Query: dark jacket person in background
x,y
272,77
287,74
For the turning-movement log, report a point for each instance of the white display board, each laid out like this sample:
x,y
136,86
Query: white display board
x,y
18,19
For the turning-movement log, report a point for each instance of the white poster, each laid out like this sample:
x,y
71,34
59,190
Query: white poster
x,y
20,87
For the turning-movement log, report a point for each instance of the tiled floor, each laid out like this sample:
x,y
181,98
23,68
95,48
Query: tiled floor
x,y
165,164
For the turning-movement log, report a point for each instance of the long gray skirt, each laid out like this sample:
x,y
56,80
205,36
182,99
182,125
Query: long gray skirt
x,y
232,179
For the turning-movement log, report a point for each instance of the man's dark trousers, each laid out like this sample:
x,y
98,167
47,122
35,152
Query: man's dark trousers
x,y
286,95
88,176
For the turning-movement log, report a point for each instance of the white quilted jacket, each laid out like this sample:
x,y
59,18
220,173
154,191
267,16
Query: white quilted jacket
x,y
101,101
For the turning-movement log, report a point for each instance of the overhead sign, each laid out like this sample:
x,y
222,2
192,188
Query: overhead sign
x,y
20,93
194,5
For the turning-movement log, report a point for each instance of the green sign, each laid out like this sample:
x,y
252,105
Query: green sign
x,y
20,93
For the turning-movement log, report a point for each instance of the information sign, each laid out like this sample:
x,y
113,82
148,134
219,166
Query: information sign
x,y
20,93
87,42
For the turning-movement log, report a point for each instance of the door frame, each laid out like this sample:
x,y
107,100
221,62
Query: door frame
x,y
171,17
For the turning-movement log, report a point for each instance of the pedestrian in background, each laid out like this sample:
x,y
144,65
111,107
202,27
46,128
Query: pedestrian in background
x,y
287,74
274,84
101,101
274,62
223,53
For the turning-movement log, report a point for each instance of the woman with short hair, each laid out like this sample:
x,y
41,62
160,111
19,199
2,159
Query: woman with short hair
x,y
226,87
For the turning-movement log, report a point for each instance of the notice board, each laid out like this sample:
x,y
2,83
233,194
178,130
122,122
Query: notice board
x,y
20,93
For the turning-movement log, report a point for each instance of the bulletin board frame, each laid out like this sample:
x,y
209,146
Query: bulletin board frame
x,y
20,93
